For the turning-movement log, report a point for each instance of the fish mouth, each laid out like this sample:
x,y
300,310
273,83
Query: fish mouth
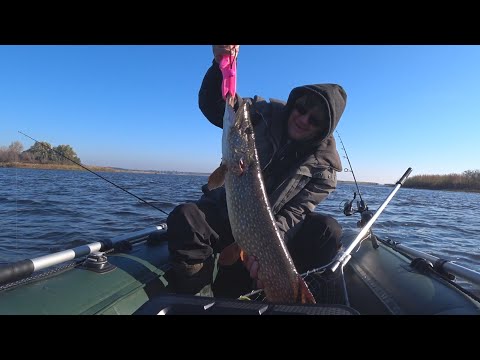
x,y
229,118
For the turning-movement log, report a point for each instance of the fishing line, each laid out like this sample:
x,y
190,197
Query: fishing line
x,y
351,169
94,173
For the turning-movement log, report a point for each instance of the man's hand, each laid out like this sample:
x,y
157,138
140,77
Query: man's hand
x,y
251,264
221,50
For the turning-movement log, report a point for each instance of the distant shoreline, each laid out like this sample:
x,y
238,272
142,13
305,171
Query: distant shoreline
x,y
94,168
360,182
451,190
171,172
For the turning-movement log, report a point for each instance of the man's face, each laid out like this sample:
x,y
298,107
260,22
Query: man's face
x,y
305,123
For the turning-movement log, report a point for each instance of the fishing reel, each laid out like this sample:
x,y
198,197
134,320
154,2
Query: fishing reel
x,y
362,208
348,209
365,215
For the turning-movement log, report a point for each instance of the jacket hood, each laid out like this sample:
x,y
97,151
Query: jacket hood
x,y
331,97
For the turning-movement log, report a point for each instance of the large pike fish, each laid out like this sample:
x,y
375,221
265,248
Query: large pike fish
x,y
251,218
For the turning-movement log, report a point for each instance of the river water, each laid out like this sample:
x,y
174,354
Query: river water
x,y
44,211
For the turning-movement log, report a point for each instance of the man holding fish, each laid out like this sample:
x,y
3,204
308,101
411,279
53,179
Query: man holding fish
x,y
279,161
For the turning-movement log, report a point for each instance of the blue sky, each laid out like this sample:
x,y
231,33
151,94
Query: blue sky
x,y
137,106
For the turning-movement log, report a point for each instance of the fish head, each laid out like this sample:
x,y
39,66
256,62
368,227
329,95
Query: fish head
x,y
238,145
238,138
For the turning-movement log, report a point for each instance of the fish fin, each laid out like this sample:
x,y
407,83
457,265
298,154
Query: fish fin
x,y
304,295
217,178
230,255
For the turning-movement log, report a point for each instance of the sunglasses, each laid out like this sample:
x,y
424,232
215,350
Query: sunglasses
x,y
302,109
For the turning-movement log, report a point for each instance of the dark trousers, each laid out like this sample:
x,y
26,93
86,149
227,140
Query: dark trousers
x,y
196,231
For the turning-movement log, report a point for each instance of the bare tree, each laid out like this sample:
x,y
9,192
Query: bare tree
x,y
16,146
3,154
27,157
15,149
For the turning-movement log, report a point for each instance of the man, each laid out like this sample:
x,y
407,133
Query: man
x,y
299,161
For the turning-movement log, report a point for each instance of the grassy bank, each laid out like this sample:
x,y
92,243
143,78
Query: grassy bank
x,y
469,181
61,167
92,168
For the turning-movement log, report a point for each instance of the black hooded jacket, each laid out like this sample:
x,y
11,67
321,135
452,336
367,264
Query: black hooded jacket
x,y
297,175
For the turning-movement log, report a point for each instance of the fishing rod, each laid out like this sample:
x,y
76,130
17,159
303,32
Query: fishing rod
x,y
348,208
93,172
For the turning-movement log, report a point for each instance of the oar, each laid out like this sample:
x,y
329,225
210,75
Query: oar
x,y
24,268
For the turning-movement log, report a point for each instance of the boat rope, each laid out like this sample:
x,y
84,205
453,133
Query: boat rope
x,y
93,172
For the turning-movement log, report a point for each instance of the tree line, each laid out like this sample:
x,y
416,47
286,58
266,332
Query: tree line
x,y
41,153
469,180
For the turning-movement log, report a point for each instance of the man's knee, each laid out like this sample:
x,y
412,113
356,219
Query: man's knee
x,y
316,243
183,211
324,225
189,236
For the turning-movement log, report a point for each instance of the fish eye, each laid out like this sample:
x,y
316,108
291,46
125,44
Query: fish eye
x,y
248,130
